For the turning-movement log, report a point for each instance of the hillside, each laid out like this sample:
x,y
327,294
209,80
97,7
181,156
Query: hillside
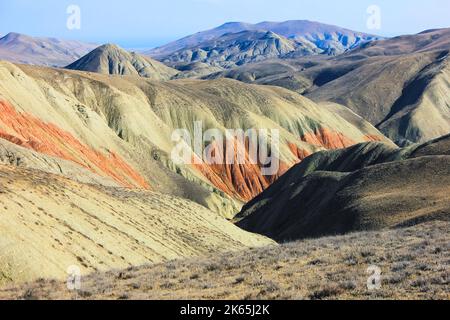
x,y
398,84
235,49
110,59
121,128
20,48
322,37
413,263
365,187
50,223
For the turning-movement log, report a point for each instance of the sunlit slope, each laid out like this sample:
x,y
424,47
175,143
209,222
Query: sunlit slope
x,y
49,223
111,59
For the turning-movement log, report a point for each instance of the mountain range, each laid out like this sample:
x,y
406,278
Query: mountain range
x,y
111,124
365,187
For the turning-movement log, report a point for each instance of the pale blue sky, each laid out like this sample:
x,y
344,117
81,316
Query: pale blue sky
x,y
148,23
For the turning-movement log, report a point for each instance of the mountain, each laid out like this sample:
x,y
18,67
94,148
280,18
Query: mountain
x,y
110,59
365,187
234,49
398,84
120,128
20,48
51,222
322,37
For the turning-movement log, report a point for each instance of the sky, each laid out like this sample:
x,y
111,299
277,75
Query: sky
x,y
148,23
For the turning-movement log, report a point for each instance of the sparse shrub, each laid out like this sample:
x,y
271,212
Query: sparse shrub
x,y
29,295
396,278
423,267
327,292
167,285
418,283
135,286
315,262
348,285
212,267
271,286
124,276
239,280
84,294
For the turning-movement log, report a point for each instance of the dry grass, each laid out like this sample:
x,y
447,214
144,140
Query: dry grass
x,y
414,263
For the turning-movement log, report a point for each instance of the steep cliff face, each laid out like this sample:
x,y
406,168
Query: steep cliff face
x,y
121,128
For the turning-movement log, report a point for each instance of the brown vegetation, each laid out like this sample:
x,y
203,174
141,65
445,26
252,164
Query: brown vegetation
x,y
414,264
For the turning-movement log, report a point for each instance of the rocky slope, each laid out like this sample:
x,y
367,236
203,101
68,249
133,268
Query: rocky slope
x,y
20,48
400,85
110,59
49,223
365,187
121,128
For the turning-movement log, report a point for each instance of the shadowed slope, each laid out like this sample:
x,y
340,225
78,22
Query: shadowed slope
x,y
365,187
400,85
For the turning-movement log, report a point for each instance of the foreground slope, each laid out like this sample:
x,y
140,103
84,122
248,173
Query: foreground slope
x,y
110,59
49,223
20,48
365,187
319,37
121,128
414,264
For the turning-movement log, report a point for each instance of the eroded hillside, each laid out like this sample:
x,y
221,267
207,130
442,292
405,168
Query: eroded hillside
x,y
399,85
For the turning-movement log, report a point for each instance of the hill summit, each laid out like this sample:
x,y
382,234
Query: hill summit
x,y
111,59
